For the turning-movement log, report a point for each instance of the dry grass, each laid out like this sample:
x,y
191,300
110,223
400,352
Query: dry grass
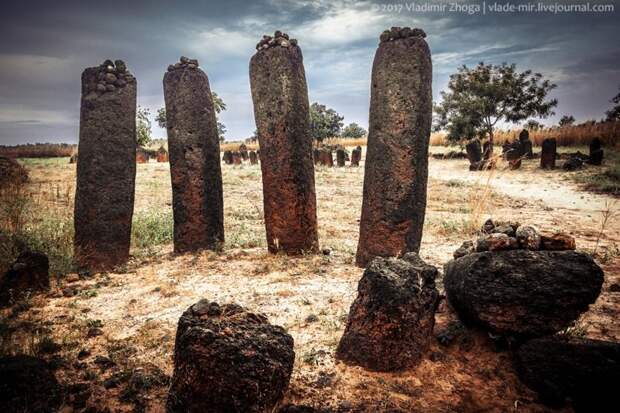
x,y
38,150
137,307
578,135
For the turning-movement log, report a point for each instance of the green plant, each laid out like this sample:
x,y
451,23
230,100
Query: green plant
x,y
151,228
354,131
324,122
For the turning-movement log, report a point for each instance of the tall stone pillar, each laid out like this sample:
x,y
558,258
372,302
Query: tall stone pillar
x,y
106,173
396,172
281,111
194,151
548,153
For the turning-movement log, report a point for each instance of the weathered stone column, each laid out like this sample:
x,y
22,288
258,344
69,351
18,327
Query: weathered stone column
x,y
281,111
194,151
340,157
106,172
253,158
356,156
548,154
474,154
596,152
396,172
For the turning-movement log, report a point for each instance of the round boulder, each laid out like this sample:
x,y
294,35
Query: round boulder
x,y
521,292
227,359
391,321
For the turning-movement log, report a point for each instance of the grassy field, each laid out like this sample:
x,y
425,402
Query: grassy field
x,y
136,307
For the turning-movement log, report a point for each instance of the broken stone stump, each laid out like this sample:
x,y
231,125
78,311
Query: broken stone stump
x,y
106,172
227,359
253,158
356,157
194,150
390,324
29,274
548,154
281,111
533,293
227,157
582,370
596,152
28,384
474,155
513,152
340,157
396,172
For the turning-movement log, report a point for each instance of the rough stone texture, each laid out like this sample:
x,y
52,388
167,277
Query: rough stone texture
x,y
356,157
340,157
237,159
162,155
227,157
513,152
557,242
106,172
391,321
11,172
28,274
281,111
228,360
520,292
326,157
526,144
466,248
585,371
474,154
195,169
396,172
28,385
253,158
496,241
528,237
548,153
596,152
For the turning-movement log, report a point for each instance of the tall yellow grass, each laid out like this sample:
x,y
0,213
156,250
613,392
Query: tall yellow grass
x,y
578,135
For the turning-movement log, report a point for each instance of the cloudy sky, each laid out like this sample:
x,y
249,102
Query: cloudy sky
x,y
44,46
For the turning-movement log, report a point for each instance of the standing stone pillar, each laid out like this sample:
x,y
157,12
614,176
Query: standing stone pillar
x,y
237,158
396,172
548,154
596,152
316,155
106,173
340,157
281,111
356,156
253,158
228,157
194,151
474,154
487,150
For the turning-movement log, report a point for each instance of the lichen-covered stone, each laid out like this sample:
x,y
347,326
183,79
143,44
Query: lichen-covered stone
x,y
391,321
396,167
106,172
282,114
194,152
521,292
227,359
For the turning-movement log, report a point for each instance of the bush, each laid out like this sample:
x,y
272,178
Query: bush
x,y
354,131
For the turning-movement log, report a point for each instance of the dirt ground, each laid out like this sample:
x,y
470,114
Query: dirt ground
x,y
124,322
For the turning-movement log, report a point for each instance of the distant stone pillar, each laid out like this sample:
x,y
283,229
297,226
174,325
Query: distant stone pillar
x,y
487,151
474,154
316,156
326,157
340,157
548,154
253,158
194,152
596,152
356,156
227,158
236,158
396,173
281,111
106,172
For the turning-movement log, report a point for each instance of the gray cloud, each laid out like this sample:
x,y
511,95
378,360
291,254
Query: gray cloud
x,y
44,46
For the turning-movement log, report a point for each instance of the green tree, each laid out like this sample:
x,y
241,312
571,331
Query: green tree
x,y
143,126
324,122
218,104
567,120
480,97
353,130
614,113
533,125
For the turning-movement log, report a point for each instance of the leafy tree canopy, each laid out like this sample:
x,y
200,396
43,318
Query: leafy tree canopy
x,y
480,97
324,122
567,120
143,126
614,113
353,130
